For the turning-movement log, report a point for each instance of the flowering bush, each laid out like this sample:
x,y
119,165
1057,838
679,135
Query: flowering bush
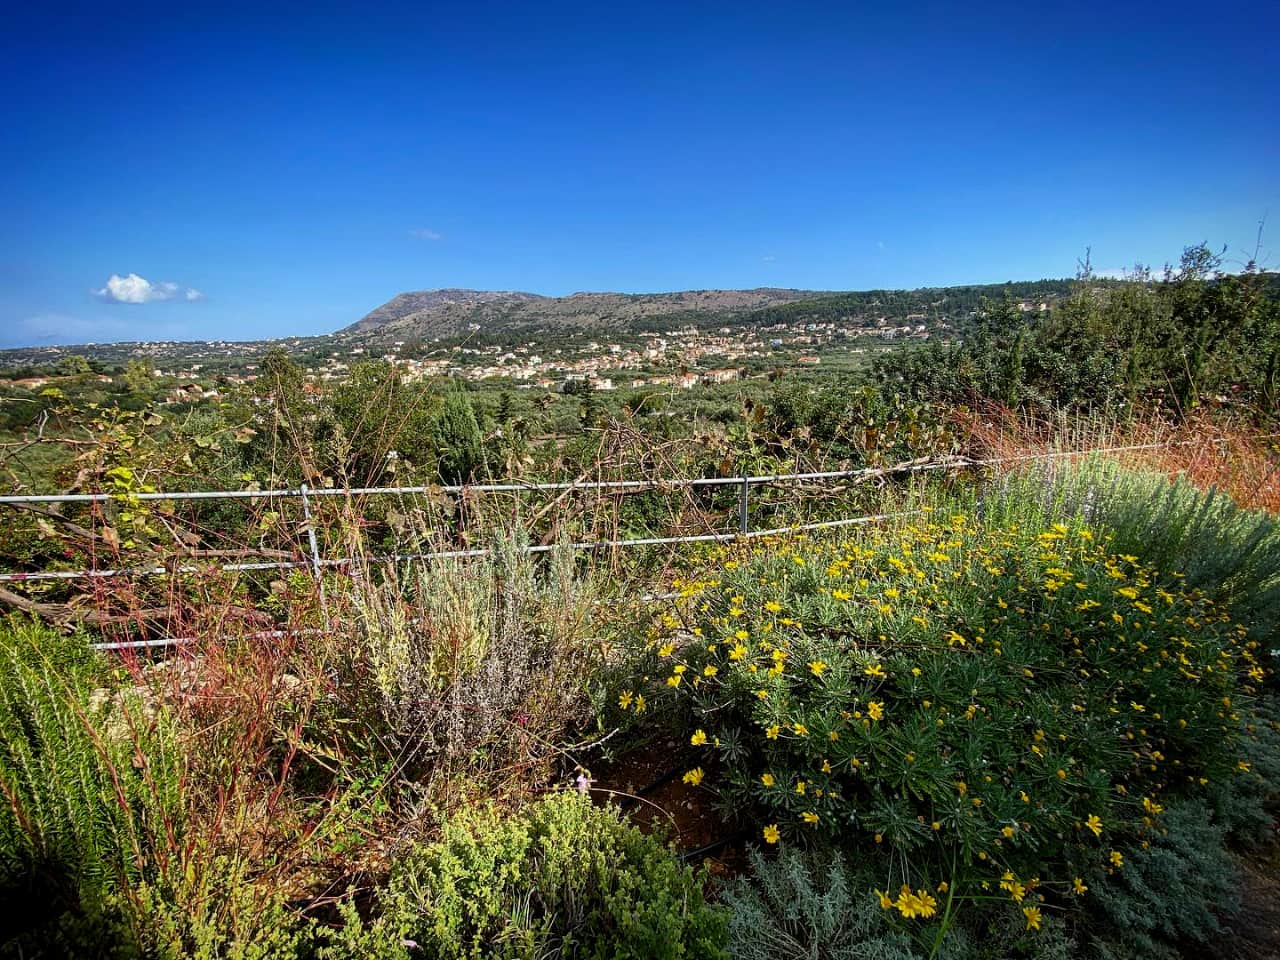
x,y
1005,710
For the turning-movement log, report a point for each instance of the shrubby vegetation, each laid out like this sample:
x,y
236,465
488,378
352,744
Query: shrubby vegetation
x,y
1195,334
987,730
1033,717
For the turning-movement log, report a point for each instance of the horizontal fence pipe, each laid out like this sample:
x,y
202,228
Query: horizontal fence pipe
x,y
958,463
676,483
595,544
149,571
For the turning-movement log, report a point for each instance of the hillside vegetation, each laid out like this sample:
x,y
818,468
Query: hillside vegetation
x,y
443,313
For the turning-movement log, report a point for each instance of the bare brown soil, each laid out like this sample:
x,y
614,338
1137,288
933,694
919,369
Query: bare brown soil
x,y
648,783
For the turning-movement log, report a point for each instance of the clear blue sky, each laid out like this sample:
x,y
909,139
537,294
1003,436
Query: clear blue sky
x,y
284,171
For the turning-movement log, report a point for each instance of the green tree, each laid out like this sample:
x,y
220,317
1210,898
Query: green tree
x,y
459,442
137,377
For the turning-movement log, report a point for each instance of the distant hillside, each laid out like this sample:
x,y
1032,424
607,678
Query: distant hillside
x,y
451,312
427,303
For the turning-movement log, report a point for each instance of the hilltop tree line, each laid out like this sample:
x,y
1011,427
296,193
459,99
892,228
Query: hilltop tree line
x,y
1193,333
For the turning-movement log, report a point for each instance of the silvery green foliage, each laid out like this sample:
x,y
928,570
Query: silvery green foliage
x,y
1232,554
809,908
1167,897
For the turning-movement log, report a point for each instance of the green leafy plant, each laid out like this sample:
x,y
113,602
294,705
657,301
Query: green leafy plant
x,y
565,878
90,776
1004,707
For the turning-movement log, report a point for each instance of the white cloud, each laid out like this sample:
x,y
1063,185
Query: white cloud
x,y
136,289
770,258
424,234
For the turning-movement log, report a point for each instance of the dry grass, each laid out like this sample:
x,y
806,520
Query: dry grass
x,y
1211,452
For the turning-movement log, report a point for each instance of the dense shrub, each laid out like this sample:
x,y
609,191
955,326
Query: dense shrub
x,y
462,655
1169,895
1232,555
565,878
815,905
91,788
1008,708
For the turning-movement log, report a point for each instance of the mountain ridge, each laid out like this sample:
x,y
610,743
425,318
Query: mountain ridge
x,y
452,310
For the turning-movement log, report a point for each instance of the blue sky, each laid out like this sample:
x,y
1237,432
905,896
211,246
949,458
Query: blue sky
x,y
247,172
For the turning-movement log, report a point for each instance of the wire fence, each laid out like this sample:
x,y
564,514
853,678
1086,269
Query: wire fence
x,y
315,560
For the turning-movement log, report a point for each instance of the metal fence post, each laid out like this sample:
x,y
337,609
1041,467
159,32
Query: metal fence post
x,y
315,552
744,500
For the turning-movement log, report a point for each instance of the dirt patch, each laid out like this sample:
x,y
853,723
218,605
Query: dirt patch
x,y
1254,933
648,783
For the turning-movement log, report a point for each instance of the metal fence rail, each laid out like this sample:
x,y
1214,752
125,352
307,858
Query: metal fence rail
x,y
748,480
316,562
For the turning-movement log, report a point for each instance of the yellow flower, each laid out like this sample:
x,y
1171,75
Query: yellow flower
x,y
1094,823
886,901
771,833
809,817
800,785
710,671
625,699
873,670
926,906
674,680
800,729
1008,832
640,703
1033,917
699,737
666,649
817,667
738,652
875,710
767,779
1117,858
772,732
773,606
1078,887
694,776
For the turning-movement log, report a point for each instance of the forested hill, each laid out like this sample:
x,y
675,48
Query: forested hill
x,y
446,313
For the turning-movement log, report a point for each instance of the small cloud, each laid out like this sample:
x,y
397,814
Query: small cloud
x,y
770,258
879,244
136,289
424,234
